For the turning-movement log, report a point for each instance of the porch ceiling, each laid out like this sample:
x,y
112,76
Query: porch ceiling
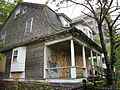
x,y
65,46
61,46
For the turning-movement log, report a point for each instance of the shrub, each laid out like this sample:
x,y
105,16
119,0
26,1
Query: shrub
x,y
90,84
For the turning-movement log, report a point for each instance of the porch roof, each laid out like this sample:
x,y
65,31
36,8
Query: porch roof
x,y
77,34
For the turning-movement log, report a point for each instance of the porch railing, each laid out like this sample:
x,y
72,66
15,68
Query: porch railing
x,y
67,70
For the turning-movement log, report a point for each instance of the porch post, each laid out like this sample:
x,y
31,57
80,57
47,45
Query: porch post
x,y
98,61
84,62
45,61
101,65
92,62
101,61
73,70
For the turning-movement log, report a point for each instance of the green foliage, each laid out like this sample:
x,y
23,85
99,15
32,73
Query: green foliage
x,y
1,56
117,64
108,49
80,76
6,6
100,83
1,46
96,39
90,84
27,86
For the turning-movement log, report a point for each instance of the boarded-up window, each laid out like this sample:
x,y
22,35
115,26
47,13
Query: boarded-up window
x,y
28,27
16,75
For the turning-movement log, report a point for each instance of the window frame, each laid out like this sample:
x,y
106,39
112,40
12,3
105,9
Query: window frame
x,y
15,56
24,10
17,13
26,26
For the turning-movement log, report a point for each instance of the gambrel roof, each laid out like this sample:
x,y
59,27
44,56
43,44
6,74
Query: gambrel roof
x,y
46,24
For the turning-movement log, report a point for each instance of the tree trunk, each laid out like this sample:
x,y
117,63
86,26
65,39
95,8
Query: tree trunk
x,y
112,54
109,71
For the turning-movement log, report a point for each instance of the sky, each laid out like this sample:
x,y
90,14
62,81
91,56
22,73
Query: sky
x,y
72,11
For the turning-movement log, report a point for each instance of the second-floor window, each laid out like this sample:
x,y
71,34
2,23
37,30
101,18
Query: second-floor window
x,y
24,10
28,27
17,13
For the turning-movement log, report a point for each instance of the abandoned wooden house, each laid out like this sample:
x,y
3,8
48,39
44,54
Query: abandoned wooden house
x,y
42,44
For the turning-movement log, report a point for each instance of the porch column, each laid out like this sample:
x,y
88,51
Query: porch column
x,y
84,62
45,61
98,61
92,62
73,70
101,65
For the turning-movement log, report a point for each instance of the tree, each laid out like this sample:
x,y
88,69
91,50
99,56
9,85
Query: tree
x,y
6,6
106,8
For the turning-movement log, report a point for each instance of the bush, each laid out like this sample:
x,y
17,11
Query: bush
x,y
90,84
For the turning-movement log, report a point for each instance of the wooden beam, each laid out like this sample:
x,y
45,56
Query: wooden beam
x,y
58,40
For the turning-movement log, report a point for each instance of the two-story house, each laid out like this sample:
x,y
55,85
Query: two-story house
x,y
42,44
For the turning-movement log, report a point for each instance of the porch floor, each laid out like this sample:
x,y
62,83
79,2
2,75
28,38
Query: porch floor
x,y
68,81
65,80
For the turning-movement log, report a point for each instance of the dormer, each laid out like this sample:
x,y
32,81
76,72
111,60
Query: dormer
x,y
20,11
17,13
64,19
81,25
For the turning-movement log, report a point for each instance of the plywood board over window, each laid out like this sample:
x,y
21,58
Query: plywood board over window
x,y
64,61
2,64
54,56
79,62
16,75
61,59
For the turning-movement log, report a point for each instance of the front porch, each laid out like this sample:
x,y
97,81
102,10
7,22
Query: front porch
x,y
69,57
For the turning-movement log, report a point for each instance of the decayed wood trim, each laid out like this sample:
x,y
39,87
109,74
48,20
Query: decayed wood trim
x,y
58,40
83,44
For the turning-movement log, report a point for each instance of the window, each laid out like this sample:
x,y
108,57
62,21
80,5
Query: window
x,y
66,24
17,13
64,21
85,30
28,27
18,62
90,34
15,54
24,10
